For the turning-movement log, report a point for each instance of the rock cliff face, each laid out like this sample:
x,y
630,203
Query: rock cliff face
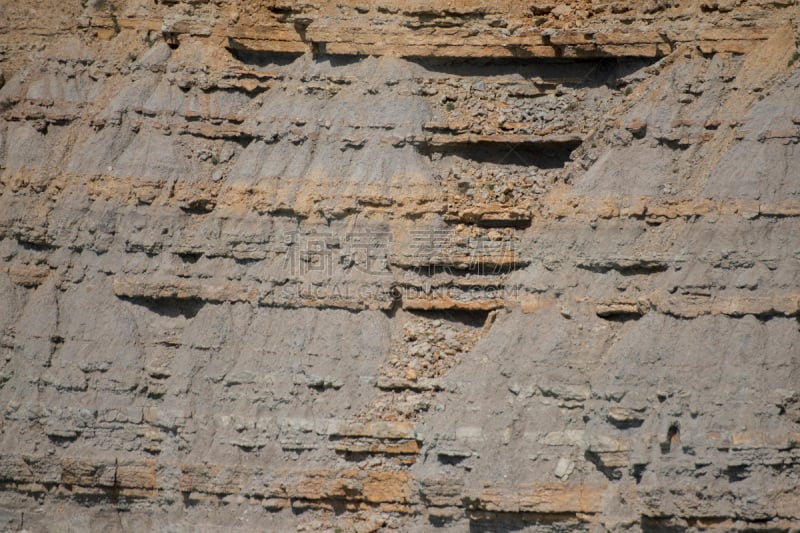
x,y
400,265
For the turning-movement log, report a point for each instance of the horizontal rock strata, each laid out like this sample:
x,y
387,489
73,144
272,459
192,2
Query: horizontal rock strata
x,y
413,266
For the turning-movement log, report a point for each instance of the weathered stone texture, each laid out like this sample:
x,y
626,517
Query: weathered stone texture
x,y
352,266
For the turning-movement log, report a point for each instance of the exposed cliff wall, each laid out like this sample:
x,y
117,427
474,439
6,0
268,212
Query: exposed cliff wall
x,y
485,266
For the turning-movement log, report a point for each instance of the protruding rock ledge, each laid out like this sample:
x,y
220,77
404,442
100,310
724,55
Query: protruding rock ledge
x,y
148,289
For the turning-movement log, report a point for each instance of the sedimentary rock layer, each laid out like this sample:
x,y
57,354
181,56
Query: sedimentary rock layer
x,y
484,266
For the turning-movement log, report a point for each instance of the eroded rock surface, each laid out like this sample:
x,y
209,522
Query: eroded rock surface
x,y
413,266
